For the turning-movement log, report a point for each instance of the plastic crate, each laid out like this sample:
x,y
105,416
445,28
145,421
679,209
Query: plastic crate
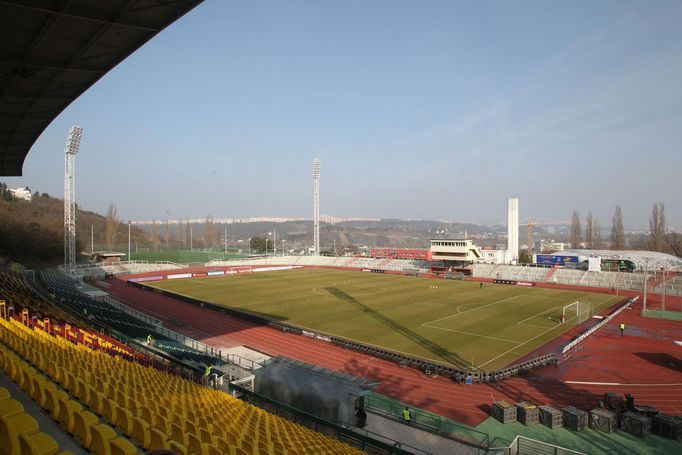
x,y
551,417
504,412
635,424
527,414
603,420
575,419
667,426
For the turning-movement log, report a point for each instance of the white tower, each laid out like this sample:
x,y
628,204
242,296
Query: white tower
x,y
72,144
316,206
513,227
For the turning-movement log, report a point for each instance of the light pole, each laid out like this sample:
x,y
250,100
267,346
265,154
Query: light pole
x,y
283,247
266,246
249,246
646,278
128,240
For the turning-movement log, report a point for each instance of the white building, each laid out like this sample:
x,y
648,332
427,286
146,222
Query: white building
x,y
455,250
21,193
496,256
550,246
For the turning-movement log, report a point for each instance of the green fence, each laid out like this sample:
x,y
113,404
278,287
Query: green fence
x,y
387,407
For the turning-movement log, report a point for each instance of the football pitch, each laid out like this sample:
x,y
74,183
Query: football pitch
x,y
455,322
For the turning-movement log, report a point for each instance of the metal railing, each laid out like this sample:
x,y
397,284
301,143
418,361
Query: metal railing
x,y
427,421
345,433
522,445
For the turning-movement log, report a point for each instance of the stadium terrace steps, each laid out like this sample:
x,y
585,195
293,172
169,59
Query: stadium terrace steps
x,y
176,413
66,293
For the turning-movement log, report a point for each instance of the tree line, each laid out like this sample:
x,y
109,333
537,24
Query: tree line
x,y
658,237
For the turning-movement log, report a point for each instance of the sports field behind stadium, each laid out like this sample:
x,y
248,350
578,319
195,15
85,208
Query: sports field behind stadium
x,y
455,322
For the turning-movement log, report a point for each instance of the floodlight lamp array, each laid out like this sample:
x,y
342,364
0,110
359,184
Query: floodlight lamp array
x,y
316,167
74,139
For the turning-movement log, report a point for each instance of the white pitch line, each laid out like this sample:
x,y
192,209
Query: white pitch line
x,y
473,334
536,315
621,384
473,309
525,342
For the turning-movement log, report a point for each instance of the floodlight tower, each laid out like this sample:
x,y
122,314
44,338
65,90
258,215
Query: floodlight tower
x,y
72,144
513,227
316,206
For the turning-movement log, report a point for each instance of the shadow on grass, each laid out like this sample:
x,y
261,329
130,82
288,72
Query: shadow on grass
x,y
436,349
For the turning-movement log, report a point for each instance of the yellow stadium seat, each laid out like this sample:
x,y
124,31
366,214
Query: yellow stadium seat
x,y
109,409
10,429
195,446
10,407
38,384
83,420
37,444
58,395
124,421
122,446
141,432
101,435
178,434
158,440
179,449
163,425
4,393
212,450
66,410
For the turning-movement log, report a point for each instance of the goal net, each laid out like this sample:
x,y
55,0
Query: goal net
x,y
141,250
577,312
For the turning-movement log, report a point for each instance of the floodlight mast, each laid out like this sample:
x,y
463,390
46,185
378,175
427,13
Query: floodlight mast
x,y
316,206
73,142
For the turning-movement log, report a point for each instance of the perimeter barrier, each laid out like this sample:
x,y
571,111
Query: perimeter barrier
x,y
361,439
429,367
573,344
427,421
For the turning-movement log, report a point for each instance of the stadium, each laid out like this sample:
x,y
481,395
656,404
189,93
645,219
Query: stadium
x,y
443,349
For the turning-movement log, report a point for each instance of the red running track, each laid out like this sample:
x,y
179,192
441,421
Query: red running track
x,y
645,361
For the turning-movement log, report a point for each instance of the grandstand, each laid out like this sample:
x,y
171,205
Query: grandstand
x,y
113,394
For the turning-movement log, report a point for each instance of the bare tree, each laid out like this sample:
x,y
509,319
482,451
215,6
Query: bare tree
x,y
208,232
188,233
181,236
589,230
155,235
112,226
575,230
657,227
596,234
617,231
167,234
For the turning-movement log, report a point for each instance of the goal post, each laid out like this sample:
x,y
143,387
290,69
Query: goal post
x,y
577,312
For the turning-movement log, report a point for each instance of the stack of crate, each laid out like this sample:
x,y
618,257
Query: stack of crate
x,y
526,413
635,424
667,426
551,417
574,418
504,412
603,420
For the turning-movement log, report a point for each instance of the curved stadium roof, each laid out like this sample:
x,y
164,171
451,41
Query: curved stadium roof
x,y
53,51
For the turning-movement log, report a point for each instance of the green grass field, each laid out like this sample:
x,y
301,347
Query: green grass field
x,y
455,322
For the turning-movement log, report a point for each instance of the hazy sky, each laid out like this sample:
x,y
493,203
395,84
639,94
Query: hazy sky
x,y
417,109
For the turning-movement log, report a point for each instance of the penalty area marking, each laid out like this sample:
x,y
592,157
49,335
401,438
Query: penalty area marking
x,y
472,334
473,309
525,342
